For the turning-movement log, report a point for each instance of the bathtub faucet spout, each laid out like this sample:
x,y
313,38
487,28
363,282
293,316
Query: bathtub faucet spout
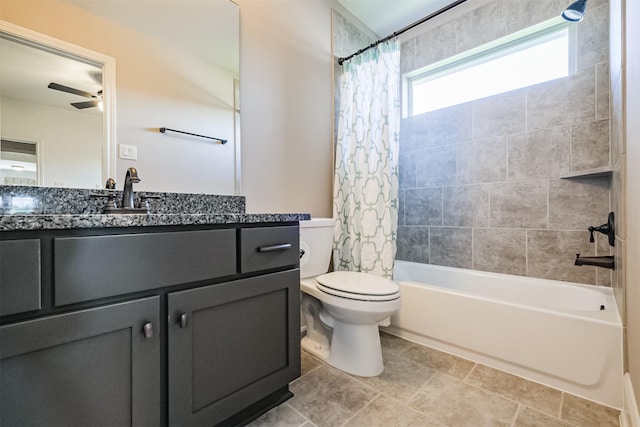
x,y
598,261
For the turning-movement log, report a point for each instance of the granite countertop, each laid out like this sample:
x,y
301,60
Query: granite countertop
x,y
49,208
69,221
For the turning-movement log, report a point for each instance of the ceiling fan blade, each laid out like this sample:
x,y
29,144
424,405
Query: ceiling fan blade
x,y
85,104
68,89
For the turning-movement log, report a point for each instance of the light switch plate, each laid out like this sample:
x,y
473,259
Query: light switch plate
x,y
129,152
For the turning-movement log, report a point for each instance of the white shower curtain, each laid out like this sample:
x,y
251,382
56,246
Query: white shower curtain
x,y
365,197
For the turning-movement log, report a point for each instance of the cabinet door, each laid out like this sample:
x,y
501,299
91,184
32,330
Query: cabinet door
x,y
231,345
93,367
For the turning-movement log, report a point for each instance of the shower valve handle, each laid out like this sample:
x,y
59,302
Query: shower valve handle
x,y
604,229
608,229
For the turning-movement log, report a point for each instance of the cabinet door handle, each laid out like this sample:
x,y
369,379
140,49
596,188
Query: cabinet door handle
x,y
148,330
274,248
184,320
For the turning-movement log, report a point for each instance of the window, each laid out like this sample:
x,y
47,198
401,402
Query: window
x,y
535,55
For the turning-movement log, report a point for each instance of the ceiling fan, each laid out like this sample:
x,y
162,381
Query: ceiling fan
x,y
96,100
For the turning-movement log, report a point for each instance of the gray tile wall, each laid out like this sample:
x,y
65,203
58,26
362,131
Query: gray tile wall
x,y
480,183
348,37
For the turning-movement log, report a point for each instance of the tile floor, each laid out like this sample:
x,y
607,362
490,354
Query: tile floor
x,y
425,387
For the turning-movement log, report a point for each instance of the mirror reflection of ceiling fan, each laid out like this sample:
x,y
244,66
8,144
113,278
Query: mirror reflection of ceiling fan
x,y
96,99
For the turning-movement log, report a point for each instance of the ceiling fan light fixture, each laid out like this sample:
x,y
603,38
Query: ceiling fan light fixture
x,y
575,11
96,99
101,105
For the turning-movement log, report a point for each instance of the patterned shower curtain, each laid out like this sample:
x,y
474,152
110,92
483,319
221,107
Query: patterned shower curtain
x,y
365,197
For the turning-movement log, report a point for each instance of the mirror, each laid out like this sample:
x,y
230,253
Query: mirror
x,y
177,67
53,133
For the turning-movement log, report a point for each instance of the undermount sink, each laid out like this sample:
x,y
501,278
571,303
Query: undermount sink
x,y
112,210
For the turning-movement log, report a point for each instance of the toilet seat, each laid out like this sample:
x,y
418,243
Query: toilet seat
x,y
358,286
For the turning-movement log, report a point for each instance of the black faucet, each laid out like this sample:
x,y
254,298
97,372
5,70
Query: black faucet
x,y
606,261
127,192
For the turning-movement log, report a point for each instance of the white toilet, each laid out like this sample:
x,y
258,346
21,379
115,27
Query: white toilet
x,y
342,309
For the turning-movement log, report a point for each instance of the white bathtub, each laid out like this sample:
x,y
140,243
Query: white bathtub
x,y
551,332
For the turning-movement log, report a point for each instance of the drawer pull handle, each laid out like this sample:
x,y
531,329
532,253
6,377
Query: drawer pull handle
x,y
274,248
148,330
184,320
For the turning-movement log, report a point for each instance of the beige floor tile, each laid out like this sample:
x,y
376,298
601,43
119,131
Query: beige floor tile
x,y
393,343
280,416
401,378
455,403
527,417
534,395
328,397
386,412
584,413
440,361
309,363
426,387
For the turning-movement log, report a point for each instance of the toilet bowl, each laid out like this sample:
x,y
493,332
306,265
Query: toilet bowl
x,y
342,309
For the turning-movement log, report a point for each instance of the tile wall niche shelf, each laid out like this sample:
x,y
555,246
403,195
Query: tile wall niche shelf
x,y
589,173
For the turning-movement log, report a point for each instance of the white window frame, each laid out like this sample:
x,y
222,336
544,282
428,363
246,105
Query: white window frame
x,y
514,42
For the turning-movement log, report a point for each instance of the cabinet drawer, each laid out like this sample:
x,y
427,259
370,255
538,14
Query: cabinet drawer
x,y
269,247
87,268
19,276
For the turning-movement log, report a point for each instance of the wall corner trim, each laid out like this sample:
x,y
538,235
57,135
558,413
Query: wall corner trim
x,y
629,417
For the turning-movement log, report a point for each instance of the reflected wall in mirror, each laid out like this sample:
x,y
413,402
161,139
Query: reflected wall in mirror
x,y
176,66
46,122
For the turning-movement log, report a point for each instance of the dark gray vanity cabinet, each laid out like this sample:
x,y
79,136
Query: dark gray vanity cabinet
x,y
230,344
160,326
19,276
95,367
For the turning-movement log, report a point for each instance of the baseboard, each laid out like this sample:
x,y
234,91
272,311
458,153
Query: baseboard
x,y
630,417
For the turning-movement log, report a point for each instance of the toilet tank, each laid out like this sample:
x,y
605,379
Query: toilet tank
x,y
316,240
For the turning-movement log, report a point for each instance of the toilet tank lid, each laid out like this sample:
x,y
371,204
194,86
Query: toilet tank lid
x,y
318,222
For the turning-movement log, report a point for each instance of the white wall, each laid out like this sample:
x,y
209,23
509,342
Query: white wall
x,y
153,91
286,98
632,98
71,153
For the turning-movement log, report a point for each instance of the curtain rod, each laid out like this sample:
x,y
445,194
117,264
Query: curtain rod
x,y
404,30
